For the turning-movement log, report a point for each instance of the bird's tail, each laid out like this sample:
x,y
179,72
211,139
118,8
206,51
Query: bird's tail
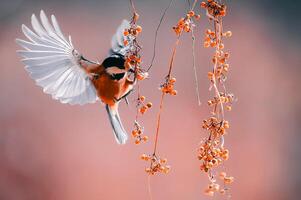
x,y
119,132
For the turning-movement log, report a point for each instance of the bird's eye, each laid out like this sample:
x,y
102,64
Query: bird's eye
x,y
75,54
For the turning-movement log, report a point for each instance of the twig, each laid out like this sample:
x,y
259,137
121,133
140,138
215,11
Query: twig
x,y
156,34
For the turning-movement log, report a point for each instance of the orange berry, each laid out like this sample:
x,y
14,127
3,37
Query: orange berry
x,y
137,141
149,104
140,77
172,80
144,157
134,32
166,169
145,138
142,110
214,60
148,170
229,180
222,13
174,92
227,55
187,29
197,17
125,42
207,39
135,133
228,34
209,192
210,75
142,98
216,187
191,13
221,46
203,4
225,156
126,32
139,29
229,108
206,44
181,21
226,124
213,44
212,34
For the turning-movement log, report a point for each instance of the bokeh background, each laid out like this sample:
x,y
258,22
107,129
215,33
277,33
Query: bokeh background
x,y
52,151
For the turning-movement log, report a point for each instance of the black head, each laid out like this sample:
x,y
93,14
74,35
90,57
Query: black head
x,y
114,61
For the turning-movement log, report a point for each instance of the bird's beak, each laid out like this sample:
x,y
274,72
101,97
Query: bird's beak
x,y
84,59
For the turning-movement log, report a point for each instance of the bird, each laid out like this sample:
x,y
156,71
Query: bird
x,y
54,64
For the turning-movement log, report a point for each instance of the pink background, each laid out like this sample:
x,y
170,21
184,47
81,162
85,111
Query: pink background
x,y
52,151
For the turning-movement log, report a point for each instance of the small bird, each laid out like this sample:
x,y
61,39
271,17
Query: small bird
x,y
69,77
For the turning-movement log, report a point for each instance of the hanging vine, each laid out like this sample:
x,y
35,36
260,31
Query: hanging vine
x,y
212,151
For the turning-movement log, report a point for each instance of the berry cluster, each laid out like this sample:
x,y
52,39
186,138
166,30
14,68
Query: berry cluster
x,y
220,58
214,8
186,24
216,127
211,152
143,107
133,31
215,187
137,133
223,99
168,86
133,61
156,165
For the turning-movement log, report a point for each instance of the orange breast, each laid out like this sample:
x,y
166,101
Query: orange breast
x,y
108,90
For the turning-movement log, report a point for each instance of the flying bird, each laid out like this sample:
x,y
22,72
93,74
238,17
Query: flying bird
x,y
64,73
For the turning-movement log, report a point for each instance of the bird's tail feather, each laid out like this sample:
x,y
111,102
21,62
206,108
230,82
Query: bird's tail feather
x,y
119,132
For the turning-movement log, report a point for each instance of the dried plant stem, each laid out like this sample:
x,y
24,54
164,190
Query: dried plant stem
x,y
158,123
133,6
171,64
149,187
156,34
194,68
212,152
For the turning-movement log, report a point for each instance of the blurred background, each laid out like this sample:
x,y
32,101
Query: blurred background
x,y
52,151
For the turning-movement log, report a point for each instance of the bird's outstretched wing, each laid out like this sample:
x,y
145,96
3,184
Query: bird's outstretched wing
x,y
118,38
54,64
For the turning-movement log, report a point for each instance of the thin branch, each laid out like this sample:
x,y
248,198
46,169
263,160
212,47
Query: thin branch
x,y
194,68
156,34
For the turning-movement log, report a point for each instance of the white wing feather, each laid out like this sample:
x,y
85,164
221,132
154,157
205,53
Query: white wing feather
x,y
117,42
50,60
